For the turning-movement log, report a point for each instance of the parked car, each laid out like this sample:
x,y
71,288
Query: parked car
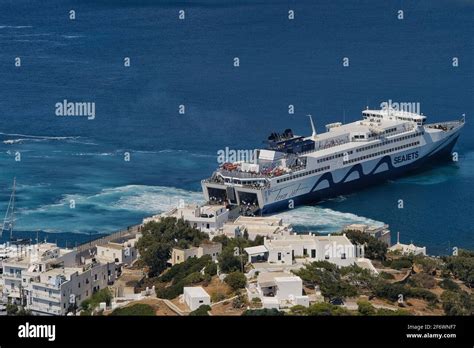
x,y
337,302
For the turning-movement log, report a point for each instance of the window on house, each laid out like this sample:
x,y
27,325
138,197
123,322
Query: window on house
x,y
326,257
343,256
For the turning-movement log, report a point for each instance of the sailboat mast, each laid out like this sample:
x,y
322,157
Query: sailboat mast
x,y
10,213
13,208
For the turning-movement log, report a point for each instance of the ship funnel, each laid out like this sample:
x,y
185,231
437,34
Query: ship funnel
x,y
312,126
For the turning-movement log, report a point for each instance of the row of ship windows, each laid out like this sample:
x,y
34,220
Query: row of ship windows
x,y
371,146
334,156
389,141
382,152
390,130
303,174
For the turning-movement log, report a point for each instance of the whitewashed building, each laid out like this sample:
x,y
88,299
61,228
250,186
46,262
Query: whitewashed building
x,y
25,258
195,297
291,251
287,249
381,233
57,290
120,251
265,226
278,290
208,218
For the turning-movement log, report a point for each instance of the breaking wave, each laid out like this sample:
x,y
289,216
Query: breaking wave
x,y
322,220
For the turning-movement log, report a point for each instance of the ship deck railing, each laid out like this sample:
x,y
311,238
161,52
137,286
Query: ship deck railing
x,y
330,145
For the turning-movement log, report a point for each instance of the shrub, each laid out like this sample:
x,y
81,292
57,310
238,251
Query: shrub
x,y
462,266
449,284
457,303
239,301
325,308
236,280
263,312
138,309
217,296
390,291
386,275
298,310
365,308
423,280
201,311
389,312
92,302
423,294
401,263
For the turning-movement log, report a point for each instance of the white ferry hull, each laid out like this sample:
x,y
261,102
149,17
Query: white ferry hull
x,y
352,178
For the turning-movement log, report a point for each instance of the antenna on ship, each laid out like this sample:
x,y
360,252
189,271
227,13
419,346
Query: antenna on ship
x,y
312,126
9,218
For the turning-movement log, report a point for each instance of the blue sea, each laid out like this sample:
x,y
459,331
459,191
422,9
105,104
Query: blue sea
x,y
190,62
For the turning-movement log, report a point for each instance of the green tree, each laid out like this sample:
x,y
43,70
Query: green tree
x,y
211,269
373,248
329,278
236,280
228,262
462,266
158,238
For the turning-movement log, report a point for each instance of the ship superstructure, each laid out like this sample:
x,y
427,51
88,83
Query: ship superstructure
x,y
295,170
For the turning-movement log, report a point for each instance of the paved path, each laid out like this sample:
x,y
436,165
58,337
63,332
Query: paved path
x,y
173,307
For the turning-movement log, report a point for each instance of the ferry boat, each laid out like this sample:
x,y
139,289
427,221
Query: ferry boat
x,y
296,170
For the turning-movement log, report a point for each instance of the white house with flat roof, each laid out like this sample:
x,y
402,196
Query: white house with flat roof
x,y
208,218
265,226
288,251
278,290
195,297
121,251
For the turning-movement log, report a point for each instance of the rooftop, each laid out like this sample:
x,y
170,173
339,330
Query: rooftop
x,y
195,291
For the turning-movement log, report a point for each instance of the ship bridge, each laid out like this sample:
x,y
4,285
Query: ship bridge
x,y
393,115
